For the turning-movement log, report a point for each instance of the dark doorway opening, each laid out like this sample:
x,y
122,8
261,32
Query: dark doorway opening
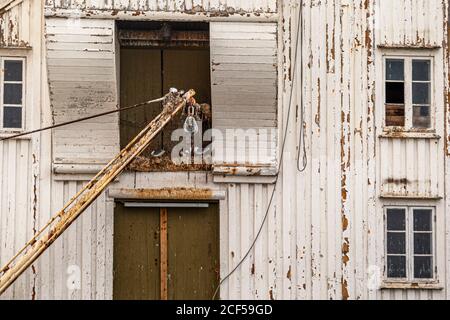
x,y
154,57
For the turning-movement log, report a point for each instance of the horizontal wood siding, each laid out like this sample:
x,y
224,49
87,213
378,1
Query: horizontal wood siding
x,y
82,79
244,88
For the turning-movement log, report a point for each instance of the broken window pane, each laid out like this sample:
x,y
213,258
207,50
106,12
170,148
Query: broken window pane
x,y
422,220
421,70
423,267
421,117
396,267
396,219
12,117
421,93
395,115
395,92
396,243
13,70
12,93
395,69
422,243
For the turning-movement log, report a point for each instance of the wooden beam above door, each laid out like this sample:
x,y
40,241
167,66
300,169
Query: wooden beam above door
x,y
171,194
159,38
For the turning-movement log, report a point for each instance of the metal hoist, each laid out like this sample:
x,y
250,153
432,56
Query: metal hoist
x,y
173,103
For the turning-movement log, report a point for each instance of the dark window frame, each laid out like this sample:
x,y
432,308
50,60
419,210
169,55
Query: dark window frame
x,y
409,243
408,94
4,105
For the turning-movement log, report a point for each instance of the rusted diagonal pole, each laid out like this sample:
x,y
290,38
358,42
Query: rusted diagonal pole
x,y
173,104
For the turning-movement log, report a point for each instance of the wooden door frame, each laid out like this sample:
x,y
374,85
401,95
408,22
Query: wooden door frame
x,y
164,235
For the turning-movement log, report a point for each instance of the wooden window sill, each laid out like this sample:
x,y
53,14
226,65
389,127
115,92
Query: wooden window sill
x,y
430,135
409,46
432,285
245,170
24,47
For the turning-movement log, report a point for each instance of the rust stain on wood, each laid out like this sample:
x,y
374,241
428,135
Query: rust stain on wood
x,y
163,253
401,181
344,287
164,164
170,194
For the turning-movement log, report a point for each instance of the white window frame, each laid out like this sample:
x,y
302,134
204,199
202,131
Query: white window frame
x,y
409,225
408,58
23,82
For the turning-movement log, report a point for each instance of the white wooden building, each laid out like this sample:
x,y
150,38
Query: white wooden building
x,y
368,218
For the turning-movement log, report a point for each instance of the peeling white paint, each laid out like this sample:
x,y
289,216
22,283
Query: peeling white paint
x,y
324,234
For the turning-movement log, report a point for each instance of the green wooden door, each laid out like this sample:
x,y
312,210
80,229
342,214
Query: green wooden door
x,y
166,253
136,253
140,80
193,259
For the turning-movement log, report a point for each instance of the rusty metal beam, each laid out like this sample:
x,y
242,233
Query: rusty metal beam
x,y
5,5
173,104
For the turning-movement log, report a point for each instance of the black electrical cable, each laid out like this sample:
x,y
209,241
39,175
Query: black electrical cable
x,y
301,138
281,160
82,119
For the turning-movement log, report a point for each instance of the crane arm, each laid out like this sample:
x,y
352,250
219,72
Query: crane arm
x,y
173,103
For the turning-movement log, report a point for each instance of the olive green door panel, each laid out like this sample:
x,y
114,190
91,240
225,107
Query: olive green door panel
x,y
136,253
191,248
147,74
193,241
140,80
185,69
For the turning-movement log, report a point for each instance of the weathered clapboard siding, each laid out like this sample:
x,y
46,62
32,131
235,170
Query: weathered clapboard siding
x,y
79,264
416,166
409,23
244,90
15,25
324,233
330,242
17,216
195,6
82,80
399,168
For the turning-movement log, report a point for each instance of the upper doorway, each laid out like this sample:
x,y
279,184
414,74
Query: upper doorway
x,y
155,57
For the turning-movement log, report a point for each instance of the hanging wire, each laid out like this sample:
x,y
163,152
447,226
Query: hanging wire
x,y
302,133
301,149
302,143
82,119
266,215
57,216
